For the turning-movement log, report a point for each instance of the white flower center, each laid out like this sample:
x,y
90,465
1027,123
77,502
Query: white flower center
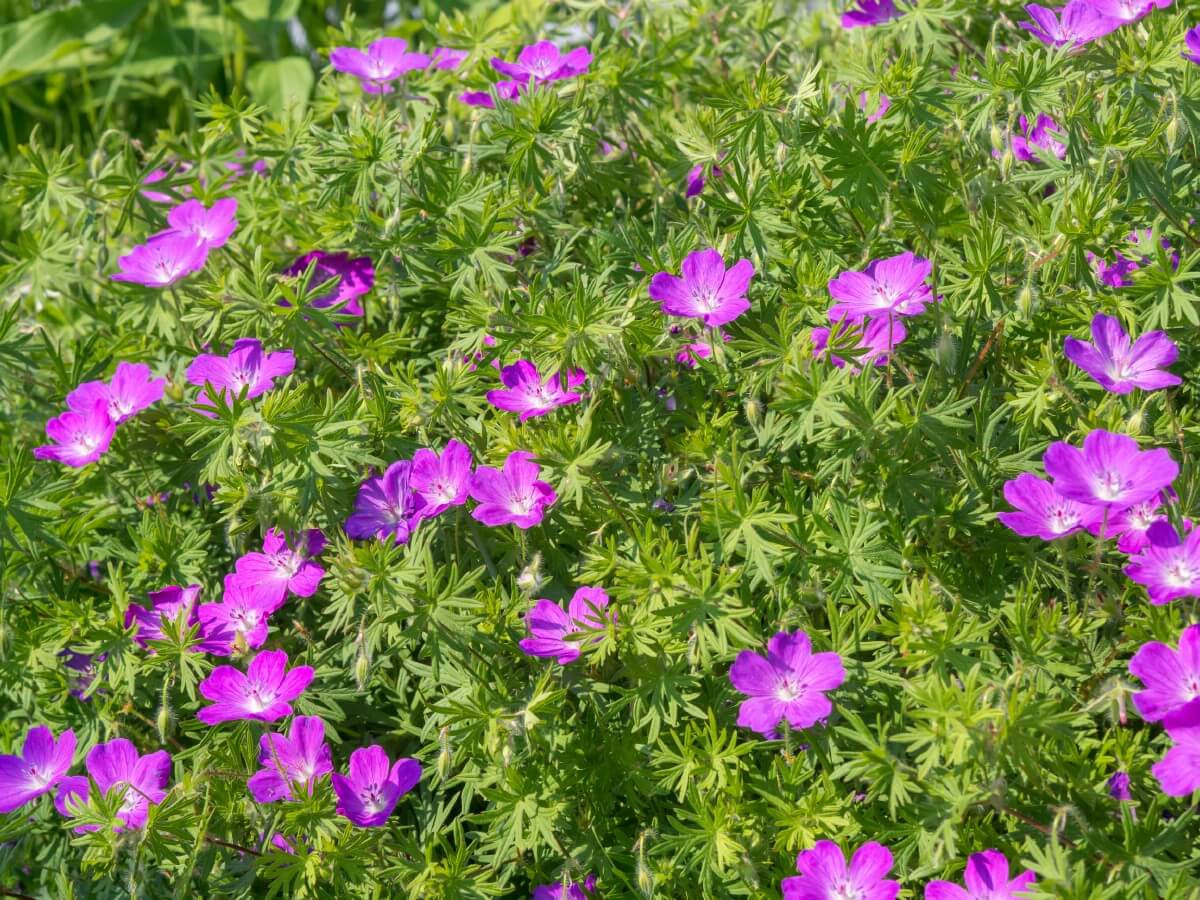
x,y
522,505
1109,486
788,690
706,300
443,492
1062,518
844,890
1179,574
259,698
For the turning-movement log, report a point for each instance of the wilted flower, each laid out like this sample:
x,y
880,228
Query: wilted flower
x,y
263,693
706,290
287,762
986,877
384,61
355,276
1077,23
369,793
869,12
1109,470
209,227
1041,510
542,62
117,764
441,481
42,763
239,621
246,367
550,625
873,341
526,393
1167,566
571,890
1120,365
279,569
824,874
788,683
888,287
512,495
386,506
131,390
166,604
1178,772
163,260
78,438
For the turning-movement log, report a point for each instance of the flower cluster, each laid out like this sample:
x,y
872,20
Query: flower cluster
x,y
1082,21
171,255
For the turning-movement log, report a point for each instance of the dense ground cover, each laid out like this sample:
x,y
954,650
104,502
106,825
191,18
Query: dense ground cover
x,y
599,449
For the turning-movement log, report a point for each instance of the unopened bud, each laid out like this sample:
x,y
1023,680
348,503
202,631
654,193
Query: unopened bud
x,y
530,580
506,753
1137,421
946,350
645,878
1172,131
997,137
163,722
444,757
1025,301
753,410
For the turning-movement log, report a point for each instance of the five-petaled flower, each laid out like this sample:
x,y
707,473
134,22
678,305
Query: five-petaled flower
x,y
386,506
208,226
568,890
370,791
1076,24
239,621
131,390
245,368
525,391
1178,772
551,626
788,683
512,495
1192,42
141,780
543,62
1041,511
441,481
41,765
348,278
824,874
706,290
383,62
168,604
866,13
163,260
1109,470
986,878
1171,676
1168,567
279,568
263,692
874,340
78,438
888,287
1120,365
291,762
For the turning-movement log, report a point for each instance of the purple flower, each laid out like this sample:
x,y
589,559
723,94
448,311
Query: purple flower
x,y
264,693
371,791
1109,470
132,389
447,58
525,392
169,604
1168,567
869,12
1129,525
505,90
1126,11
1118,786
1178,772
246,367
873,341
788,683
386,506
384,61
885,103
117,764
542,62
161,175
706,290
512,495
824,874
441,481
889,287
42,763
81,669
1040,136
1077,23
696,179
568,891
550,626
1119,273
355,277
298,759
279,568
1119,365
1042,511
78,438
986,878
210,227
239,621
162,260
1192,40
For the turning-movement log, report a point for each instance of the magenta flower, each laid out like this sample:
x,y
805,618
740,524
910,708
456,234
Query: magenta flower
x,y
78,438
1178,772
706,290
1109,470
866,13
166,604
1129,525
246,367
550,626
279,568
570,891
691,353
355,277
1119,273
526,393
384,61
889,287
441,481
881,108
1172,677
873,343
543,62
986,878
142,780
1168,567
696,179
1040,136
1192,40
162,175
264,693
239,621
371,791
42,764
1076,24
447,58
824,874
505,90
1119,365
287,762
788,683
512,495
1042,511
131,390
1126,11
386,506
210,227
163,260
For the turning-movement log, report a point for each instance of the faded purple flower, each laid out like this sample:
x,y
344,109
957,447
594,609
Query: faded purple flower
x,y
1076,24
384,61
1109,470
873,344
505,90
78,438
263,693
81,671
371,790
1168,567
707,290
824,874
162,260
986,878
894,286
239,621
1192,41
543,62
142,780
169,604
354,276
1118,786
1040,136
866,13
131,390
447,58
162,175
279,568
788,683
42,764
526,393
210,227
246,367
1041,510
583,890
441,481
550,625
1119,273
1120,365
386,506
881,108
512,495
297,760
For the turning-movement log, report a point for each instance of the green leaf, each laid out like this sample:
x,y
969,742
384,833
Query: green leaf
x,y
281,85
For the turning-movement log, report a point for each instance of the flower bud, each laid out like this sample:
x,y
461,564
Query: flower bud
x,y
753,410
1026,300
946,350
163,722
530,580
444,757
645,878
997,137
